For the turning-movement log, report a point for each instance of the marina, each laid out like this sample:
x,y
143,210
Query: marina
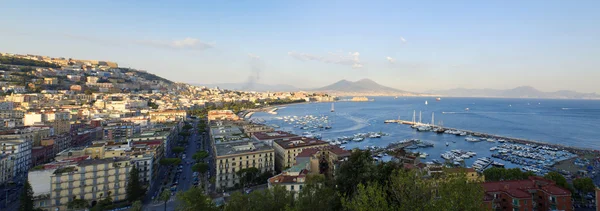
x,y
349,120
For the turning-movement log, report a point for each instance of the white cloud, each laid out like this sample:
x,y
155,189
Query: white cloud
x,y
351,59
187,43
402,39
390,59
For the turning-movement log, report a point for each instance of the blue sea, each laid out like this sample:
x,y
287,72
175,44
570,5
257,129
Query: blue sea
x,y
567,122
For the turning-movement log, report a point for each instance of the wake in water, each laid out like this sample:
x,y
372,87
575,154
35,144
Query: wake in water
x,y
359,124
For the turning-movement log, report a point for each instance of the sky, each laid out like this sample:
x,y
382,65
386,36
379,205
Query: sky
x,y
414,46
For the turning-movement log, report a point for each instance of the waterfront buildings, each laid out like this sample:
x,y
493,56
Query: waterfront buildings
x,y
535,193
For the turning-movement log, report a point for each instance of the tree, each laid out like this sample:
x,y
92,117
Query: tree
x,y
367,198
169,161
136,206
501,174
247,175
584,185
178,150
194,199
200,168
78,204
26,198
88,92
200,155
317,195
272,199
187,127
165,196
134,189
558,178
357,169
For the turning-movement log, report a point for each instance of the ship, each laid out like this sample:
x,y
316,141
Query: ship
x,y
438,99
332,108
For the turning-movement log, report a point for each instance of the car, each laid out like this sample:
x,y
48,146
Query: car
x,y
248,191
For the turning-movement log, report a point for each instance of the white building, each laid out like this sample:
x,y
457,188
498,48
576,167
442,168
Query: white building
x,y
18,145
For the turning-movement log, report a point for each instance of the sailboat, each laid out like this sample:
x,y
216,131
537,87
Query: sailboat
x,y
332,109
426,102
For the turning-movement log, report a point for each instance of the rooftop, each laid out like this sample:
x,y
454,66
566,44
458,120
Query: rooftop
x,y
521,188
240,147
298,142
272,135
284,178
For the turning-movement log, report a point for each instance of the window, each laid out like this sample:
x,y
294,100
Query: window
x,y
292,187
515,202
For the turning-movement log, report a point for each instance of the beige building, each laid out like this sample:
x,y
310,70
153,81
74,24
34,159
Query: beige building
x,y
50,81
168,116
232,157
287,150
222,115
92,180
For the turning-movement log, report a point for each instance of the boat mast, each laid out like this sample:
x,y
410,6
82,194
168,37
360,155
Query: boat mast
x,y
414,116
420,117
432,119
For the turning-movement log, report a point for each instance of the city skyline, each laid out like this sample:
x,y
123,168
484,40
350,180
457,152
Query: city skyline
x,y
547,45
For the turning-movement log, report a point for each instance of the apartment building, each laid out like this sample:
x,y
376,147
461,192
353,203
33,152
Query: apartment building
x,y
287,150
535,193
230,157
250,129
168,116
7,168
92,180
269,137
118,130
17,144
292,181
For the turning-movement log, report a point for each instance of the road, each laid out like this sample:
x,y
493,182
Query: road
x,y
185,180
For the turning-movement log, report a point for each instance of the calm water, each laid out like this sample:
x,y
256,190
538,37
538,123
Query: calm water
x,y
568,122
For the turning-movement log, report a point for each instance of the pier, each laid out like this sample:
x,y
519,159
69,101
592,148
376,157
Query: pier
x,y
572,149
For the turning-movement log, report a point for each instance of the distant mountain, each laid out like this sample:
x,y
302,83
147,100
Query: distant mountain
x,y
365,87
252,87
519,92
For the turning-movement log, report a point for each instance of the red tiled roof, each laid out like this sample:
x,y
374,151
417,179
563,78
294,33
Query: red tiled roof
x,y
285,178
339,151
307,152
521,188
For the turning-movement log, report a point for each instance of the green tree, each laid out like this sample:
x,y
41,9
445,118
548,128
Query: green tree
x,y
134,189
78,204
371,197
169,161
247,175
88,92
558,178
584,185
200,168
178,150
501,174
136,206
165,196
194,199
272,199
26,198
187,127
316,194
359,168
200,155
457,193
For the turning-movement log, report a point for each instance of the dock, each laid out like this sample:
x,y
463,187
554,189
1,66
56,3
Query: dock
x,y
572,149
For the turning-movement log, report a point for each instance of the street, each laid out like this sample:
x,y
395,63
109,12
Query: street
x,y
184,179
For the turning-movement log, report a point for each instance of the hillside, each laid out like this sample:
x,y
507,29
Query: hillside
x,y
252,87
364,87
518,92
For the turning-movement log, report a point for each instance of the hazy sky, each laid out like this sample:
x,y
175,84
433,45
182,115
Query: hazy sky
x,y
414,46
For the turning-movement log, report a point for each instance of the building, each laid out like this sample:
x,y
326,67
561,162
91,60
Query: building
x,y
92,180
234,156
250,129
292,181
7,168
222,115
287,150
269,137
470,173
597,199
40,184
41,154
17,144
535,193
50,81
118,130
168,116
